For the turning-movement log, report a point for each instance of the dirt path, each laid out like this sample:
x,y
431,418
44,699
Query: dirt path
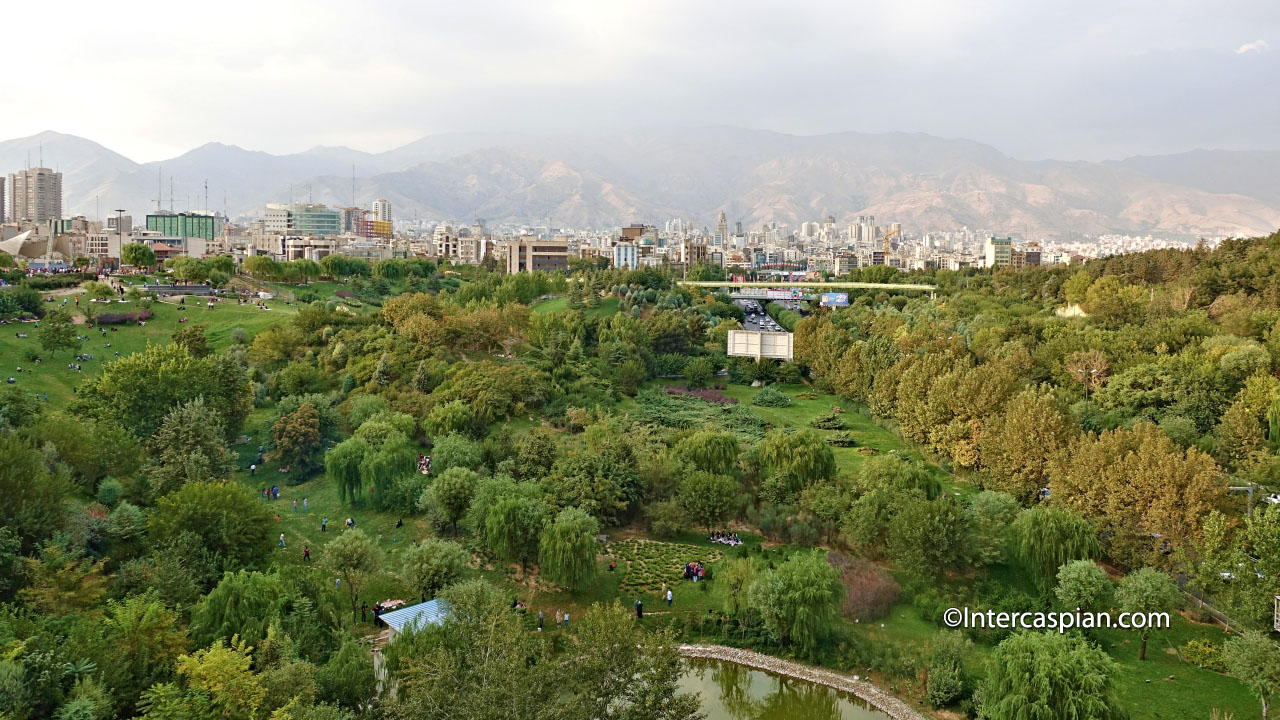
x,y
874,696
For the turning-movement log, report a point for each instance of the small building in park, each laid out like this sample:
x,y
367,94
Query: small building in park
x,y
415,617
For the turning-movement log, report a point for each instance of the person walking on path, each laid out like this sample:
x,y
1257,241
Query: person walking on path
x,y
668,598
541,619
566,621
282,540
253,470
324,525
639,610
306,554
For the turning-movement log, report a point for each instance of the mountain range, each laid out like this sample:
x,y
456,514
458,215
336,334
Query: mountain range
x,y
754,176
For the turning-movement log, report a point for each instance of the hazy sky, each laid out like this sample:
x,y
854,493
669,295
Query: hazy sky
x,y
1086,79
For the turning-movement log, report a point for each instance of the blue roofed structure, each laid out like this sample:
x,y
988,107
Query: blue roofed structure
x,y
432,612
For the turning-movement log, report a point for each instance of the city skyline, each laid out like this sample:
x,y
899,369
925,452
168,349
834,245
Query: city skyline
x,y
1089,81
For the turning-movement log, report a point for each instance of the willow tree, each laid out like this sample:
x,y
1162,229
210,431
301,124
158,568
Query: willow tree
x,y
1049,676
512,528
1045,538
710,451
800,458
342,465
567,550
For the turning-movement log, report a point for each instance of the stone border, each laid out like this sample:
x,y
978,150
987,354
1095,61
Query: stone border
x,y
872,695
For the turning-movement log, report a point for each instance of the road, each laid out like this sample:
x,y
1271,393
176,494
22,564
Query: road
x,y
757,319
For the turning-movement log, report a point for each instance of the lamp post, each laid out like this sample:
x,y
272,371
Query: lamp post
x,y
120,229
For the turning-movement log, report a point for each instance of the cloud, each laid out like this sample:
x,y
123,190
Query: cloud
x,y
1255,46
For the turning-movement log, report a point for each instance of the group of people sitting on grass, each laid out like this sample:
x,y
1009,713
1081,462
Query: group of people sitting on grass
x,y
424,464
725,538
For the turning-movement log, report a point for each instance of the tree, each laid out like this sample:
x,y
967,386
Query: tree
x,y
297,435
1147,591
989,514
1254,659
450,417
348,679
224,673
710,451
946,671
60,582
698,372
228,518
1089,368
58,333
342,465
1049,676
798,600
33,496
145,639
1045,538
1017,443
382,374
926,538
1137,484
512,528
190,446
137,255
1240,436
191,337
799,458
353,556
137,391
567,549
454,450
450,495
190,270
1082,584
430,565
707,498
738,577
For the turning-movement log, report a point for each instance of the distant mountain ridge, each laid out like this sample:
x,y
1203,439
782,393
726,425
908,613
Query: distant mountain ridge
x,y
755,176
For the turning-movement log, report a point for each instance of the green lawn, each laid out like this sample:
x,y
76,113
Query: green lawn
x,y
51,376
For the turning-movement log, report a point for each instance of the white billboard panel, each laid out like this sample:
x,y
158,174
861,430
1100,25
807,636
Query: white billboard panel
x,y
757,344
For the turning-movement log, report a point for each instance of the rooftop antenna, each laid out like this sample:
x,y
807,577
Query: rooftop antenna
x,y
308,193
353,184
41,153
159,187
170,194
206,195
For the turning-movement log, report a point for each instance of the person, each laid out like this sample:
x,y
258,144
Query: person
x,y
337,582
351,523
281,535
264,493
364,608
399,523
668,598
324,525
613,565
295,504
277,517
559,616
377,614
304,505
541,619
253,470
566,621
306,554
639,610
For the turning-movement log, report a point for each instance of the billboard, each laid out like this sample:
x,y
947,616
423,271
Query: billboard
x,y
835,299
792,294
757,344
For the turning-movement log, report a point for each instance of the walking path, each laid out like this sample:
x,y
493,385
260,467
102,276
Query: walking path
x,y
874,696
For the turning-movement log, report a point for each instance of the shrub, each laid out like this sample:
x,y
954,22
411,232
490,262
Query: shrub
x,y
842,438
109,491
770,397
669,365
1204,653
667,519
122,318
830,421
869,592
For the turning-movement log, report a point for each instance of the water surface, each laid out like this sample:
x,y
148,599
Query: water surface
x,y
734,692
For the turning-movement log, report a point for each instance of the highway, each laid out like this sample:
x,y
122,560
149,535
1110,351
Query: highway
x,y
757,319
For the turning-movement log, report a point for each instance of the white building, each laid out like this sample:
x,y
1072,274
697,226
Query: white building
x,y
382,210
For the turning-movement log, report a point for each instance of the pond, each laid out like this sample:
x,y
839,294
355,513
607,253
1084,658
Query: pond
x,y
733,692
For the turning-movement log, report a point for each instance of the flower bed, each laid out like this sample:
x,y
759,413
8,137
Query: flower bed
x,y
707,395
646,564
122,318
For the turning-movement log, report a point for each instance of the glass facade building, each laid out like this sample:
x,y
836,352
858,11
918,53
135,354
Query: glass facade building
x,y
187,225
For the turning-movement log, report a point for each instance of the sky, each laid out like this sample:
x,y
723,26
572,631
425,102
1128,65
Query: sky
x,y
1081,80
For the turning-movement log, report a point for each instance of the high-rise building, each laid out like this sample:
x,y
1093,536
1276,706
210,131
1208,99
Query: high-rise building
x,y
999,252
35,195
722,228
382,210
304,219
185,225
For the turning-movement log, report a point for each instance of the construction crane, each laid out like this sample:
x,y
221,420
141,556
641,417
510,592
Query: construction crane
x,y
887,248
